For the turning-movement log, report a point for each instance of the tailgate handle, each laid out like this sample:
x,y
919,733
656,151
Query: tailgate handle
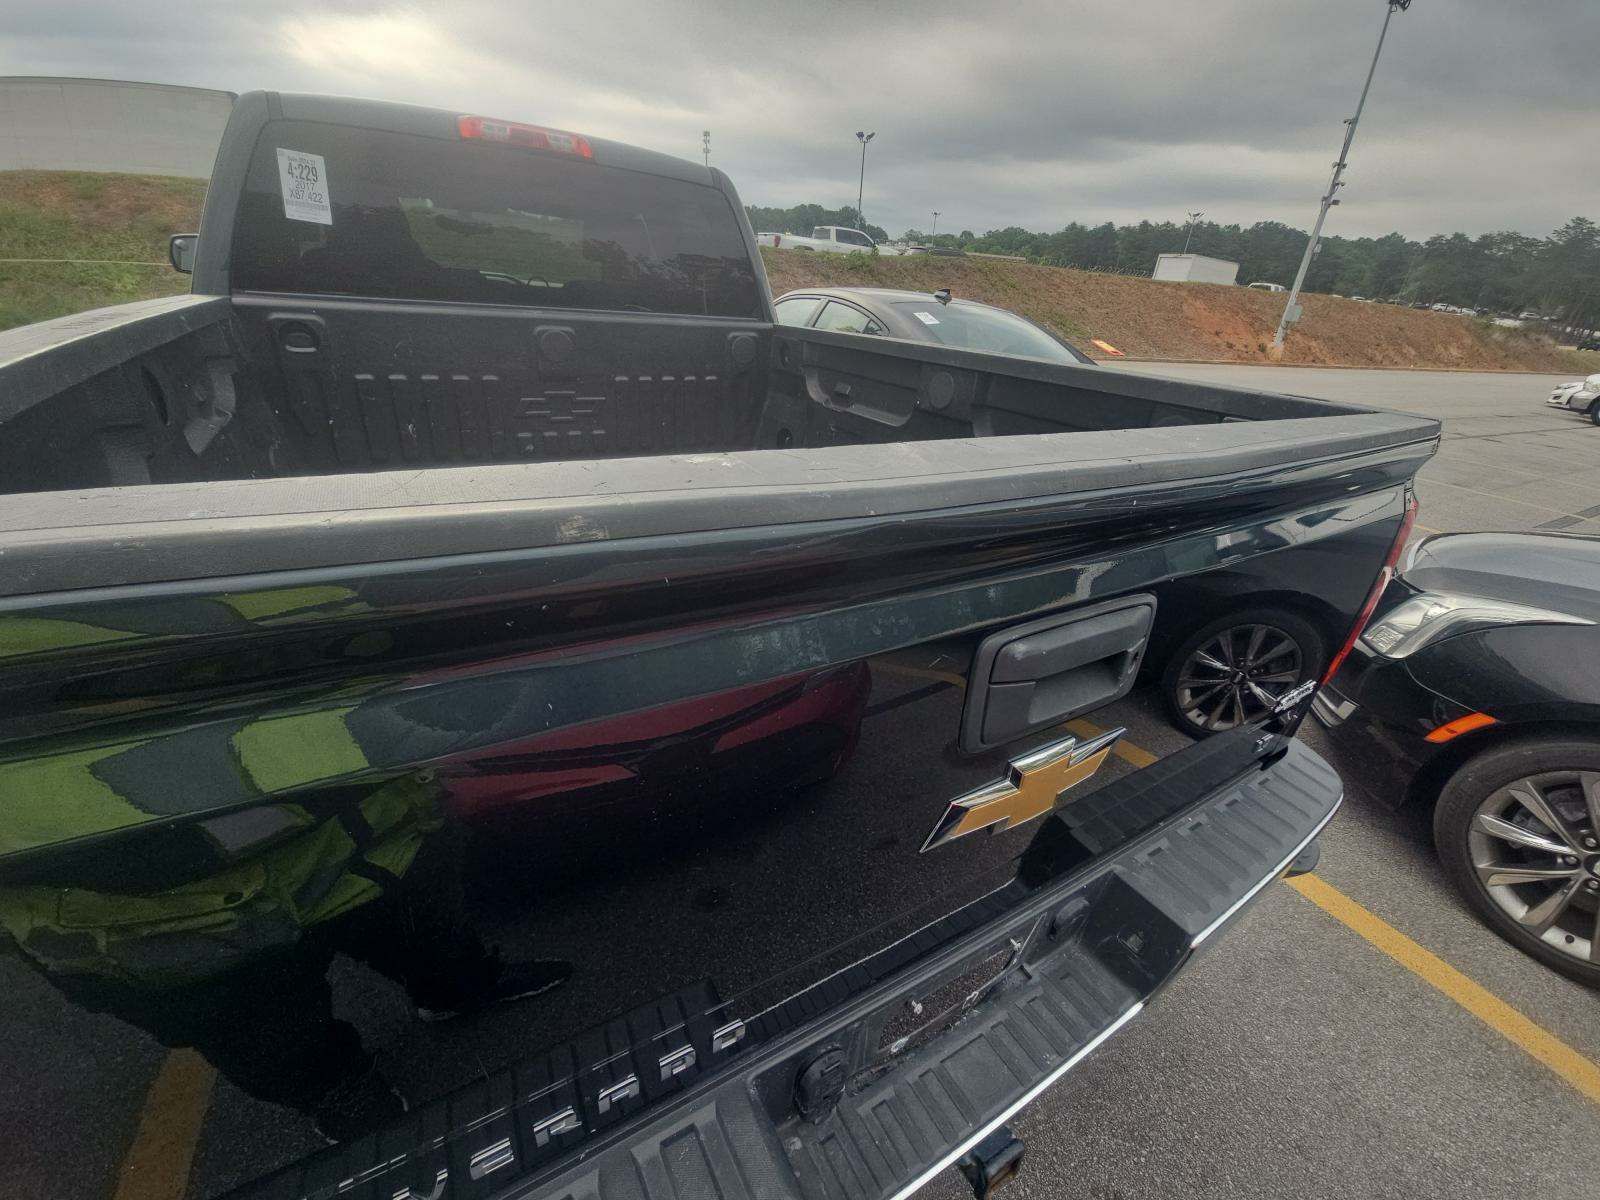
x,y
1033,676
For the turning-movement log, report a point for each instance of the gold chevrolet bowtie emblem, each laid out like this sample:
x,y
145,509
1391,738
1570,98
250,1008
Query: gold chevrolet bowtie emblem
x,y
1033,785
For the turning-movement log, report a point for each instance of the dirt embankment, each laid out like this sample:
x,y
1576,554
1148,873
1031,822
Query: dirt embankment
x,y
1194,321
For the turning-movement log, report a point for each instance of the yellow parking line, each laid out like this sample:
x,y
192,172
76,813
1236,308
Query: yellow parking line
x,y
1494,1012
1582,1073
157,1165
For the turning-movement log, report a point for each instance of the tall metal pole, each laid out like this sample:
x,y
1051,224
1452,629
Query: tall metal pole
x,y
705,145
935,223
1193,217
861,186
1290,309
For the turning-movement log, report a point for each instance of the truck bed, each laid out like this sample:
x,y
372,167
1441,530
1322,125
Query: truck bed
x,y
177,390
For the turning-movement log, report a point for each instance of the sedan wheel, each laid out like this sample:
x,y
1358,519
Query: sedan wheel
x,y
1233,672
1521,835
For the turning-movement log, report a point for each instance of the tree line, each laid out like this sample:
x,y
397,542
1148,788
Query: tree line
x,y
1556,276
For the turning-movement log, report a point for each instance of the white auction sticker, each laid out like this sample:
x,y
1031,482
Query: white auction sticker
x,y
925,318
304,180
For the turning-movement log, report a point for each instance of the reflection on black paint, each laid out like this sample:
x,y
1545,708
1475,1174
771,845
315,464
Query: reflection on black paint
x,y
700,776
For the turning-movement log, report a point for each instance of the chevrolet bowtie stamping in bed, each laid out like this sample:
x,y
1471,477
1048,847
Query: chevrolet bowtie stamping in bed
x,y
490,714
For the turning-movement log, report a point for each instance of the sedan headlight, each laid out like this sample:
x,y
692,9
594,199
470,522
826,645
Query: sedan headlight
x,y
1422,619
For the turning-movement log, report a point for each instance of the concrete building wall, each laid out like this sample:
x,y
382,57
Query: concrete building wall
x,y
109,125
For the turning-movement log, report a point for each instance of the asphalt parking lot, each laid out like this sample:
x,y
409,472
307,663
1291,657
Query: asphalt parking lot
x,y
1297,1058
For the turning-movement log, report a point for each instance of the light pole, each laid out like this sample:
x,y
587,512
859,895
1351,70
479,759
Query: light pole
x,y
1193,217
935,224
861,186
1291,309
705,145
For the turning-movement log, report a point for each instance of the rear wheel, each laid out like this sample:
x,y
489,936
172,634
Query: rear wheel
x,y
1594,412
1518,830
1233,671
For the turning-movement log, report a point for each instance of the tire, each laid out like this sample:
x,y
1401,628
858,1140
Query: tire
x,y
1180,695
1594,412
1463,845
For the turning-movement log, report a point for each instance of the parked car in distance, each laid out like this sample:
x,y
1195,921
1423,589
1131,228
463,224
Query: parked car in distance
x,y
1474,680
1262,285
1579,395
831,239
919,317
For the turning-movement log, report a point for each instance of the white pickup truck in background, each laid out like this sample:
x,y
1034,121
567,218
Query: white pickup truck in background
x,y
833,239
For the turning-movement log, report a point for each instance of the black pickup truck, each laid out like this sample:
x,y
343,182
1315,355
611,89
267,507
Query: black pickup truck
x,y
486,712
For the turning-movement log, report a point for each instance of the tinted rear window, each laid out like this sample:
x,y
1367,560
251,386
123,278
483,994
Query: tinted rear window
x,y
989,329
432,219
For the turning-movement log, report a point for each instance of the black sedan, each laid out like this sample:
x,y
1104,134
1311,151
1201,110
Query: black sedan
x,y
923,317
1478,680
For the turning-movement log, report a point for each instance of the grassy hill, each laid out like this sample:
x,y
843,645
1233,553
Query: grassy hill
x,y
87,215
1194,321
100,217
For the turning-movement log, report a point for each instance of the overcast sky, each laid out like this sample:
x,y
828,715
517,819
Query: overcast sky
x,y
1483,115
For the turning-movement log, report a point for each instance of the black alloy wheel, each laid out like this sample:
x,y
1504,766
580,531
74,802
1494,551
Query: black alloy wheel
x,y
1518,830
1233,671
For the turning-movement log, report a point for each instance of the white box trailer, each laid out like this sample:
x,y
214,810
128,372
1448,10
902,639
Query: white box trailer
x,y
1195,268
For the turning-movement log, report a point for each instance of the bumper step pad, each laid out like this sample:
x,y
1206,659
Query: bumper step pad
x,y
1084,959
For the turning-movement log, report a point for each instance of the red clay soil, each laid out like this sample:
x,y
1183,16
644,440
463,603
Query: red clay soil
x,y
1190,321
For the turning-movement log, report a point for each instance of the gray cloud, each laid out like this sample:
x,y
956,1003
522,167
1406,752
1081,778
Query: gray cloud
x,y
1482,115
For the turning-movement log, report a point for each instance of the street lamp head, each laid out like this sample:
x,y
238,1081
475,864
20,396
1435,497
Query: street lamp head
x,y
865,137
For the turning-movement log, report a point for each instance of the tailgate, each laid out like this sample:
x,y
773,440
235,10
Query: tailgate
x,y
764,746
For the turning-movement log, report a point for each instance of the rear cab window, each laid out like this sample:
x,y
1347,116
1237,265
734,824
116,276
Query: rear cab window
x,y
412,217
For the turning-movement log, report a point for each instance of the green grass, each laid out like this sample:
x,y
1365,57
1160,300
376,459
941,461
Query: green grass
x,y
89,216
38,292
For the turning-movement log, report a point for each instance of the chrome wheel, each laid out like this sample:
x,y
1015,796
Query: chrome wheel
x,y
1535,847
1237,676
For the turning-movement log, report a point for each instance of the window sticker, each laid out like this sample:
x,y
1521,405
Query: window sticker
x,y
304,180
926,318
